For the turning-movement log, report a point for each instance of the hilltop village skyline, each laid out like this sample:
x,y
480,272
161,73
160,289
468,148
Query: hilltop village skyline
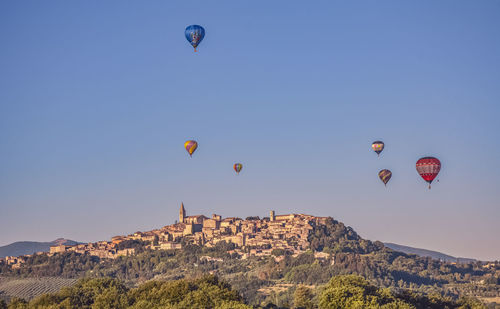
x,y
252,236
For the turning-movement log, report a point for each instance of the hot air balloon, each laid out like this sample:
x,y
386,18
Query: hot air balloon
x,y
194,35
378,146
237,167
428,168
190,147
385,176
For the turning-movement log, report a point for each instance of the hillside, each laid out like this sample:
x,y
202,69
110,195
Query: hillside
x,y
30,247
428,253
264,273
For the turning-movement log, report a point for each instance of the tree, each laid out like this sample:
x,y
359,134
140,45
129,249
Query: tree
x,y
86,293
303,298
3,305
470,303
232,305
18,303
278,252
207,292
351,291
106,293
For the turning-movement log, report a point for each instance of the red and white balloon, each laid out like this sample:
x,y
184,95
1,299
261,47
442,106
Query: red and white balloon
x,y
428,168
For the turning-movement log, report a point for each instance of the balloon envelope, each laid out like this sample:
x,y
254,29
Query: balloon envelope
x,y
428,168
194,34
378,146
385,176
237,167
190,146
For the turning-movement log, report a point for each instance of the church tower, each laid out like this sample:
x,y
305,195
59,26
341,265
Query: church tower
x,y
182,213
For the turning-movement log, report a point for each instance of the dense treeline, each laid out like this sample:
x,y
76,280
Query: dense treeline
x,y
343,292
206,292
353,291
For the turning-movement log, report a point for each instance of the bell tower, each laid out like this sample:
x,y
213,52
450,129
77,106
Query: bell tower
x,y
182,213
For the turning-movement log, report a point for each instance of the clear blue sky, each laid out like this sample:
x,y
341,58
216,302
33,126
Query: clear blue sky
x,y
97,99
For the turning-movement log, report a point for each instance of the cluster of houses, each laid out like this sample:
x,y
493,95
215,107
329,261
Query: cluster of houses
x,y
101,249
15,261
252,236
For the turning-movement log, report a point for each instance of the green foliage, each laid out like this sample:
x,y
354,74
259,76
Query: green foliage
x,y
220,249
105,293
351,291
17,303
384,267
278,252
207,292
344,292
248,284
336,236
87,293
3,304
303,298
470,303
68,265
136,244
309,274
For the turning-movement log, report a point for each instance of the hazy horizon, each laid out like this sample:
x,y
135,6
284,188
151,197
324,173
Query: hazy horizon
x,y
97,100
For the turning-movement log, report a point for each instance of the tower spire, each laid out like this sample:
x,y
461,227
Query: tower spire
x,y
182,213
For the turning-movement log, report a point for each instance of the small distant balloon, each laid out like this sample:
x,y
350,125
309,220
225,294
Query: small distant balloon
x,y
428,168
194,34
191,147
378,146
237,167
385,176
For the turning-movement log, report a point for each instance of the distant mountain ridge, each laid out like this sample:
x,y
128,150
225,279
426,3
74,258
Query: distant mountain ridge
x,y
428,253
29,247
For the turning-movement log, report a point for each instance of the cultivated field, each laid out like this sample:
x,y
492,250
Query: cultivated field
x,y
29,288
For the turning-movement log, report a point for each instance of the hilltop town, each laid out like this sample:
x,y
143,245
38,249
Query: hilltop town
x,y
257,256
252,236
